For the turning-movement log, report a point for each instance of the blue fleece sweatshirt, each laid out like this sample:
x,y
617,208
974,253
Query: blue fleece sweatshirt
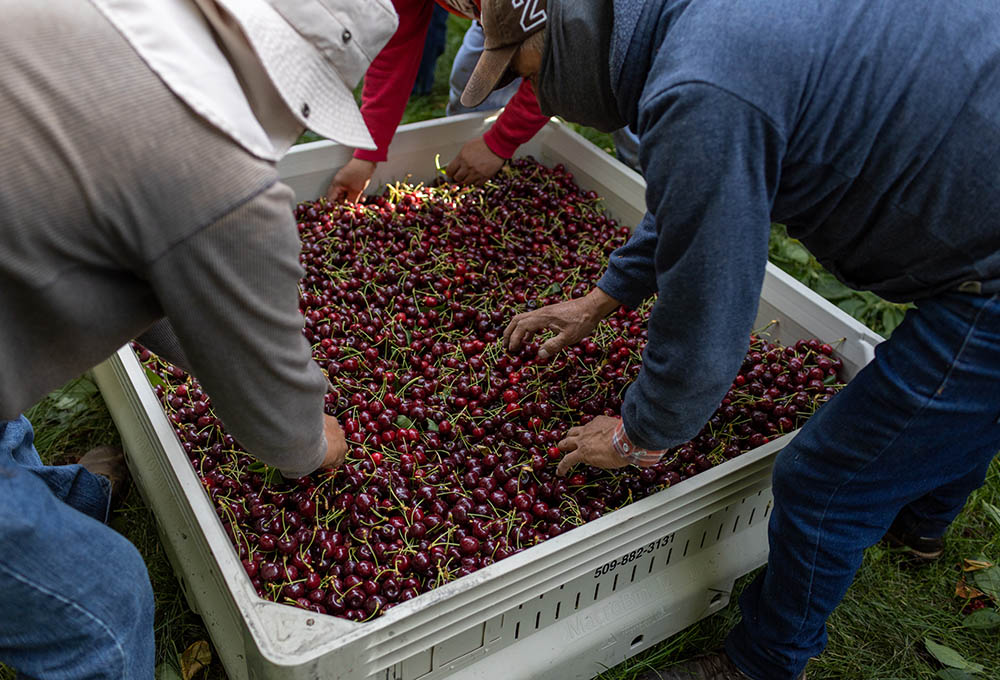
x,y
871,128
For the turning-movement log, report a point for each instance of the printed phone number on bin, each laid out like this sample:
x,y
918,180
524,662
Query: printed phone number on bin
x,y
633,555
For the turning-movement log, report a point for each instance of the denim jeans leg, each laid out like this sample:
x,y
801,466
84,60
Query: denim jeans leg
x,y
930,515
72,484
627,147
921,419
75,599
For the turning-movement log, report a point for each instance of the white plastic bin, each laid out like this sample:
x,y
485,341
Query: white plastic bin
x,y
567,608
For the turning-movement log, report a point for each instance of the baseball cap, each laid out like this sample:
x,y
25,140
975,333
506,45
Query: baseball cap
x,y
315,53
506,24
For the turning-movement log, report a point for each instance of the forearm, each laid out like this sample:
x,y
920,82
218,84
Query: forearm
x,y
601,303
520,120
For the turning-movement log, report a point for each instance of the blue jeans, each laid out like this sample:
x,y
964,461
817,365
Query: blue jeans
x,y
75,599
627,147
911,436
461,70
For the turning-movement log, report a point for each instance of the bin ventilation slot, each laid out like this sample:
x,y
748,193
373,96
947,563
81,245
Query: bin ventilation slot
x,y
559,603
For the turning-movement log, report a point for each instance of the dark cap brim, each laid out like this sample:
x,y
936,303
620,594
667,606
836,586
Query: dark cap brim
x,y
491,66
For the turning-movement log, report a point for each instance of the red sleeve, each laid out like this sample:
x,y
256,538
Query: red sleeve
x,y
390,78
518,122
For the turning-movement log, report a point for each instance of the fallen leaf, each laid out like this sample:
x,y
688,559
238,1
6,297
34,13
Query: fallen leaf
x,y
965,591
949,657
194,658
988,581
982,619
975,565
954,674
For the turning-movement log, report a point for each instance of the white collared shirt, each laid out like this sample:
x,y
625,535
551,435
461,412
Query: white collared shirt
x,y
214,73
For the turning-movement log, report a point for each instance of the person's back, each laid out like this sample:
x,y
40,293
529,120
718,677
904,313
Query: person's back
x,y
883,121
90,201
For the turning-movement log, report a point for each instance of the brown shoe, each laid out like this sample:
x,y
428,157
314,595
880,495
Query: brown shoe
x,y
715,666
109,462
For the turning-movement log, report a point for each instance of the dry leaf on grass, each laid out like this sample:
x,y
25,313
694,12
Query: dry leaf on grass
x,y
975,565
195,658
965,591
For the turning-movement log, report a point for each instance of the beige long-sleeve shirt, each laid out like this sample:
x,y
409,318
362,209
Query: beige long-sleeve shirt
x,y
120,206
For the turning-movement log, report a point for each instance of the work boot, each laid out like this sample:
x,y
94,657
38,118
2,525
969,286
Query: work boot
x,y
109,462
714,666
921,549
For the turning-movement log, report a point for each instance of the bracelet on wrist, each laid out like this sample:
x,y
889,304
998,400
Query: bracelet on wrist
x,y
636,455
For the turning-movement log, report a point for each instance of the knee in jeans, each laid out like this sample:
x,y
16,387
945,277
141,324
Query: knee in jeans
x,y
135,591
795,477
783,475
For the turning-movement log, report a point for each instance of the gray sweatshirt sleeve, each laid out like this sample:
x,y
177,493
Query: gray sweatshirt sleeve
x,y
230,292
711,164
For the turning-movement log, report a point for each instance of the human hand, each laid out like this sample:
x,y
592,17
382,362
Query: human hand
x,y
351,181
336,445
591,444
475,163
572,320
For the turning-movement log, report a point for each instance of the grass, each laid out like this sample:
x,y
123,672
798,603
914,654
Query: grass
x,y
876,633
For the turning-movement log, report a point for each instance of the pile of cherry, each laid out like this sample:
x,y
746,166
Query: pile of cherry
x,y
453,457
